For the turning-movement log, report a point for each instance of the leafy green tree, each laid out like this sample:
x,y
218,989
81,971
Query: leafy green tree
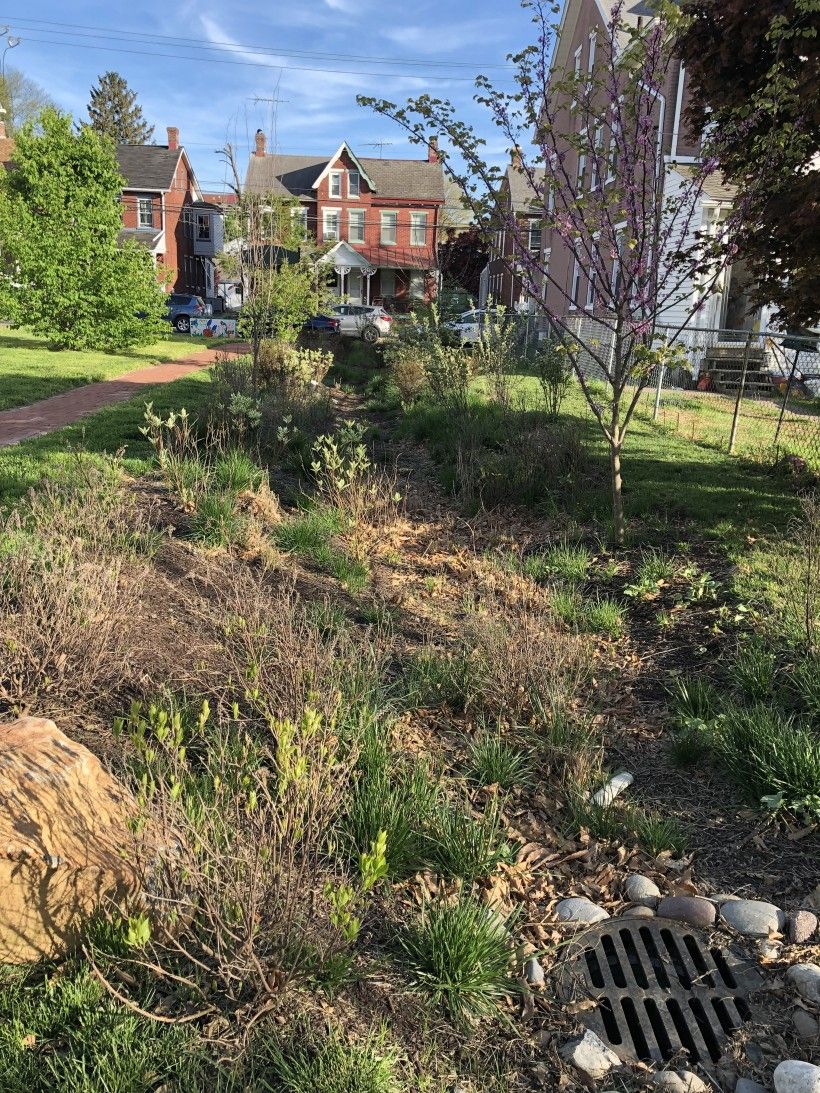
x,y
22,99
114,111
62,272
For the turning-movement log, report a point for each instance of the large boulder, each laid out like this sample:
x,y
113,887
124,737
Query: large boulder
x,y
66,847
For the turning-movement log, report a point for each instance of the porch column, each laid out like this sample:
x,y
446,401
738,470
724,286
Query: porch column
x,y
368,272
342,272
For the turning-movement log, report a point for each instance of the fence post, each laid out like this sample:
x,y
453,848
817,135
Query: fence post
x,y
785,400
739,399
658,389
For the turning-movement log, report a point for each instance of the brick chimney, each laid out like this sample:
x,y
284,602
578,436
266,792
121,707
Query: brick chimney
x,y
260,143
515,158
173,138
432,150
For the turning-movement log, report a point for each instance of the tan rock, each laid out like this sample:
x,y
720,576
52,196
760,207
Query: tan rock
x,y
65,844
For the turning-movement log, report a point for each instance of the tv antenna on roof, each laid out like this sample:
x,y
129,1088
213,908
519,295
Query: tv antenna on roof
x,y
381,145
273,102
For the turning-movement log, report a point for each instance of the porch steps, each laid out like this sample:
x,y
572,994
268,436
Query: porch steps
x,y
724,363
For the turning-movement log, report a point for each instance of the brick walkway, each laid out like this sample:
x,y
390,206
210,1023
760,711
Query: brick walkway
x,y
49,414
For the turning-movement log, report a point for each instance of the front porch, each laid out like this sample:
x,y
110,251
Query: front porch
x,y
376,278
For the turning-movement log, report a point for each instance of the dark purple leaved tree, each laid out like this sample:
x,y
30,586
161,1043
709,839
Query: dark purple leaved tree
x,y
639,262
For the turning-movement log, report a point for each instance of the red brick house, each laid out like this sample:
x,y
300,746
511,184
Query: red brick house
x,y
381,217
163,208
499,283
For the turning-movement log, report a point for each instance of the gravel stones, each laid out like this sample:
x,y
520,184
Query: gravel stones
x,y
752,917
590,1054
679,1081
642,890
692,909
793,1076
805,978
638,912
534,972
801,927
806,1026
749,1085
581,911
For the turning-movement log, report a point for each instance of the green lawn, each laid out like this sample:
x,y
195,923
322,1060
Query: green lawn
x,y
29,370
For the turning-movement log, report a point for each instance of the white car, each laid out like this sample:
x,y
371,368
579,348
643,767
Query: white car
x,y
366,321
469,325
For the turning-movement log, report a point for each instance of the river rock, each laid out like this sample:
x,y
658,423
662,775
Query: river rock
x,y
794,1076
692,909
679,1081
638,912
590,1054
65,843
806,1026
642,890
581,910
805,978
534,972
802,925
752,917
749,1085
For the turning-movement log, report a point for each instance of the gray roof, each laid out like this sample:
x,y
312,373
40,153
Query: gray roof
x,y
147,166
295,176
714,185
149,237
522,195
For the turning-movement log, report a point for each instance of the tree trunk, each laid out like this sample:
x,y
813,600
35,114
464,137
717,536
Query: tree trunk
x,y
615,445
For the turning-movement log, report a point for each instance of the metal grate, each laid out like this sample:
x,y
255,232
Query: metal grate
x,y
659,989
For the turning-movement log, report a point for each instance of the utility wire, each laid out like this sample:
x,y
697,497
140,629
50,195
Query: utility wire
x,y
75,30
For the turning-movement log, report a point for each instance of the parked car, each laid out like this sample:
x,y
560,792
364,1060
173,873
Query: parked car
x,y
322,324
367,321
468,326
182,308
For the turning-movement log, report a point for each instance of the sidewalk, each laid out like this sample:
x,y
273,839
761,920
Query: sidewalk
x,y
24,422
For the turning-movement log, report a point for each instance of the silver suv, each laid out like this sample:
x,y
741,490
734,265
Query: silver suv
x,y
366,321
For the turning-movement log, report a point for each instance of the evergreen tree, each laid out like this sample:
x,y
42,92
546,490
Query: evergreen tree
x,y
114,111
62,272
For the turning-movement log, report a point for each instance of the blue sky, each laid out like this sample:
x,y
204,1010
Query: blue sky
x,y
212,98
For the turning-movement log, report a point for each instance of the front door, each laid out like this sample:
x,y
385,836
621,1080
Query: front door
x,y
354,286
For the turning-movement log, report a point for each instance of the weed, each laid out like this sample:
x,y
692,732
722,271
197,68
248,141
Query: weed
x,y
806,679
435,678
655,569
568,561
688,745
657,834
235,471
603,615
754,669
216,522
460,953
459,845
333,1065
495,761
693,699
328,619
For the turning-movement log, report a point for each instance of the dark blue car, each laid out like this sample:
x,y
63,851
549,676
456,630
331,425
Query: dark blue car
x,y
322,324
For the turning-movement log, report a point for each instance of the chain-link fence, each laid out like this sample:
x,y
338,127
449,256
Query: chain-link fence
x,y
745,392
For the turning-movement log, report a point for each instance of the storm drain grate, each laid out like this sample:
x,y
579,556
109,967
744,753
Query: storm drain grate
x,y
659,989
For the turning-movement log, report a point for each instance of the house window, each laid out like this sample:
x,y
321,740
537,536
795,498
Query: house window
x,y
355,225
388,282
145,212
330,225
418,229
590,303
576,284
335,184
203,227
353,184
534,240
577,61
300,219
417,284
591,55
388,234
582,170
596,157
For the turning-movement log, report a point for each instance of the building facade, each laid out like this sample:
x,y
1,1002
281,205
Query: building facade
x,y
378,218
501,281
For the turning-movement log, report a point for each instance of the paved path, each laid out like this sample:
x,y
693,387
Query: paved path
x,y
49,414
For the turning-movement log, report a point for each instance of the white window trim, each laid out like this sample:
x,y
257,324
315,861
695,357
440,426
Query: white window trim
x,y
425,221
575,285
333,175
535,228
149,201
593,41
388,212
590,298
360,217
612,168
576,72
338,214
350,194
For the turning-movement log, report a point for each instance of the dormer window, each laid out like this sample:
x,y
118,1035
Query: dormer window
x,y
354,184
335,183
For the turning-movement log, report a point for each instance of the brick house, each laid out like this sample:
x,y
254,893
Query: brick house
x,y
163,208
380,217
499,283
583,24
6,146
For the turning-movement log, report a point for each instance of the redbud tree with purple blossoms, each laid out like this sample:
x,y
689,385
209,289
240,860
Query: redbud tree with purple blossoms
x,y
605,193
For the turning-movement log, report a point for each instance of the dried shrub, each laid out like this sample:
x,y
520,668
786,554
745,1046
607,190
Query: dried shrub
x,y
71,575
408,374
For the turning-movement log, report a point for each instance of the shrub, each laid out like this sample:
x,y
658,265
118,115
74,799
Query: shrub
x,y
216,522
459,845
553,367
330,1065
408,374
495,761
460,953
773,756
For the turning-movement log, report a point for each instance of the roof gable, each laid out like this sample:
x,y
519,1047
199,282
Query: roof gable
x,y
295,176
345,147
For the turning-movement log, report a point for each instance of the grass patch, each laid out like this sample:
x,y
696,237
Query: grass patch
x,y
567,561
216,523
435,678
235,471
754,669
459,845
460,954
596,614
310,535
331,1066
494,760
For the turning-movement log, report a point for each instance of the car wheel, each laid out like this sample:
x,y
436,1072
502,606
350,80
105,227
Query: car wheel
x,y
370,334
182,323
